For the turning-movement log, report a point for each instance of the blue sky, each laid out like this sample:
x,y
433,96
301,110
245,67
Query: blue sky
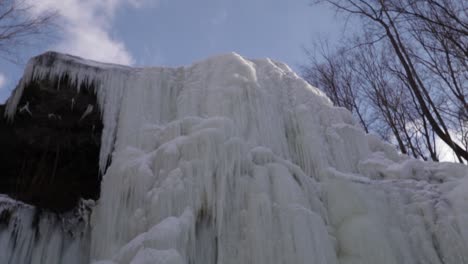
x,y
179,32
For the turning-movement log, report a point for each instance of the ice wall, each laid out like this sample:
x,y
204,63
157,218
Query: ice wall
x,y
233,160
30,235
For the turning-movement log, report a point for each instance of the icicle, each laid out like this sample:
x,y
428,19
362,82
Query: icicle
x,y
54,116
89,110
25,108
30,236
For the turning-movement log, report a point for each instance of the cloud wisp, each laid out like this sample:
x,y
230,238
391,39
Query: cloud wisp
x,y
86,28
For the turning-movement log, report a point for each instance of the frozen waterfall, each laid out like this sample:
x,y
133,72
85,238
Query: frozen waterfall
x,y
237,161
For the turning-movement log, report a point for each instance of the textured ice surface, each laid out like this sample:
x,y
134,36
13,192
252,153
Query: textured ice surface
x,y
29,235
233,160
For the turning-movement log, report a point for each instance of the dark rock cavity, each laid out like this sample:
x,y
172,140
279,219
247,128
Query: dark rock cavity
x,y
49,153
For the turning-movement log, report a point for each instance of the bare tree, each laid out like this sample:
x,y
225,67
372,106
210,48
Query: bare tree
x,y
389,97
21,27
361,79
333,73
429,39
440,33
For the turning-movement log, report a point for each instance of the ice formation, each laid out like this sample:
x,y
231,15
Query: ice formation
x,y
233,160
30,235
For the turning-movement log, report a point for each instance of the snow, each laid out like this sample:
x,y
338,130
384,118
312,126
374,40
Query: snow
x,y
232,160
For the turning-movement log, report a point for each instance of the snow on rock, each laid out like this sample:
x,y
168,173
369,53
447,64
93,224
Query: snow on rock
x,y
233,160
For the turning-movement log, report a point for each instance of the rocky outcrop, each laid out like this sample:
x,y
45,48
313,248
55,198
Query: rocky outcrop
x,y
49,154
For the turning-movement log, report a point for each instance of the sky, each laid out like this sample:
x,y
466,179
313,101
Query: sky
x,y
178,32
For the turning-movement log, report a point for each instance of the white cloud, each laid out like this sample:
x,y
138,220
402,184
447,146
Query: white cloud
x,y
96,44
444,151
140,3
3,80
86,26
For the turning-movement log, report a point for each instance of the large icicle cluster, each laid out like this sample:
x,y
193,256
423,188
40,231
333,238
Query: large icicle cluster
x,y
30,235
241,161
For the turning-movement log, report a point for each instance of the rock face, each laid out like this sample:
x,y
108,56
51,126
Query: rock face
x,y
50,150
